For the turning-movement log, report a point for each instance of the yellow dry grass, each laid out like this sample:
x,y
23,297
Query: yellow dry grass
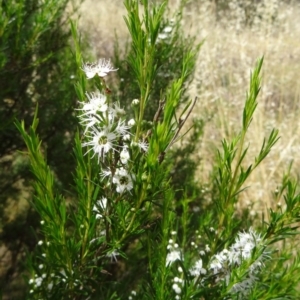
x,y
222,77
223,70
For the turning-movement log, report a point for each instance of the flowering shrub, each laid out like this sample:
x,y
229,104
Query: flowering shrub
x,y
125,234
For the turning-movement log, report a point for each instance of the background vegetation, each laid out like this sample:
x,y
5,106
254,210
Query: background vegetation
x,y
37,66
231,47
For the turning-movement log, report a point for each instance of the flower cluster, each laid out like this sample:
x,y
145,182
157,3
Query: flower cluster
x,y
248,247
166,31
198,269
107,134
224,262
174,252
103,126
177,287
132,295
38,283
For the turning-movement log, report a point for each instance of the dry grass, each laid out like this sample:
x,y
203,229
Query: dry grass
x,y
101,21
222,77
226,58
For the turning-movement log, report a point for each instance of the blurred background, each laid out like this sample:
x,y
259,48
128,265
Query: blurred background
x,y
37,67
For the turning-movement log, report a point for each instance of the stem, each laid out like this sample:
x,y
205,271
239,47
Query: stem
x,y
236,168
134,216
144,92
231,187
88,211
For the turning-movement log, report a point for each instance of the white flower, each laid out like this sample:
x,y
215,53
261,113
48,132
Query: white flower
x,y
131,122
104,67
123,180
168,29
135,102
97,102
101,68
89,121
244,286
126,137
220,261
124,155
243,246
143,146
116,111
227,260
90,69
105,173
216,265
177,279
38,281
102,203
113,255
162,36
121,128
101,141
176,288
198,269
173,256
50,286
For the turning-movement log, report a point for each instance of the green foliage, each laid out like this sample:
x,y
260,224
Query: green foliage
x,y
140,226
167,49
36,67
128,216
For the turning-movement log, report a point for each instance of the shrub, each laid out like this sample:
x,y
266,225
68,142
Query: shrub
x,y
36,67
127,233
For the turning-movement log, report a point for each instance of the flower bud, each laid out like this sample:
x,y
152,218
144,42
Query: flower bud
x,y
131,122
135,102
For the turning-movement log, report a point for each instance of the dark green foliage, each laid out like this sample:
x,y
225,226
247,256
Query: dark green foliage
x,y
184,160
36,67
